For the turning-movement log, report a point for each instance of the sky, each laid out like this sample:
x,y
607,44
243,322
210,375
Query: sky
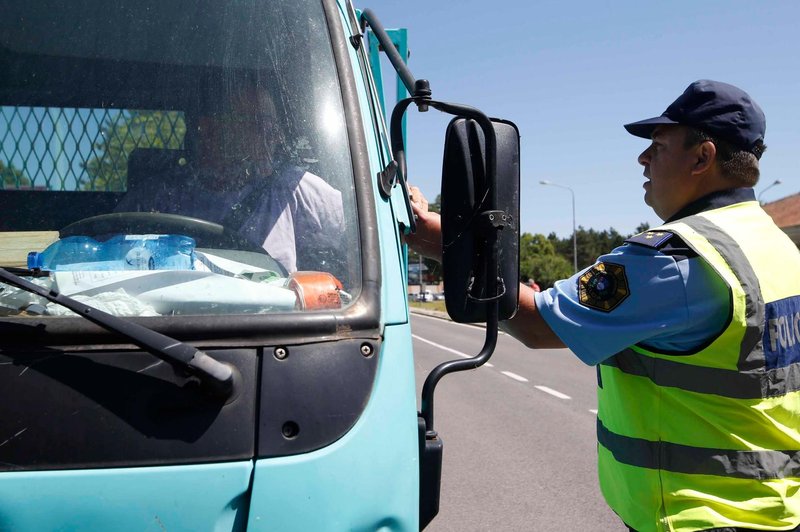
x,y
569,74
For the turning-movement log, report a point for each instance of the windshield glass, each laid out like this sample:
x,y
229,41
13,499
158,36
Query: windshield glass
x,y
164,157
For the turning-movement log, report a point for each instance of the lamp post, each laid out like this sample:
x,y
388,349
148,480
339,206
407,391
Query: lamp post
x,y
421,282
574,232
774,183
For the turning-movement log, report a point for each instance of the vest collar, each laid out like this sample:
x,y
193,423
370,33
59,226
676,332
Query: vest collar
x,y
715,200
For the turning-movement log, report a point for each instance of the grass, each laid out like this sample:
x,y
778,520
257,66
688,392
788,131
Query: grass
x,y
429,305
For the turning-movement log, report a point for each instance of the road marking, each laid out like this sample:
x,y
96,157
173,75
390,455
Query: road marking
x,y
446,319
593,411
474,326
545,389
554,393
440,346
445,348
514,376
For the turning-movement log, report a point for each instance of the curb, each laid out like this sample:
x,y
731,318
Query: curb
x,y
431,313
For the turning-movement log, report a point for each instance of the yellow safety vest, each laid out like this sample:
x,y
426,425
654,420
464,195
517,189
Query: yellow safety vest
x,y
711,438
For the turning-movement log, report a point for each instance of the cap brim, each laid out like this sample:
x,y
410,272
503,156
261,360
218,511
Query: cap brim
x,y
645,128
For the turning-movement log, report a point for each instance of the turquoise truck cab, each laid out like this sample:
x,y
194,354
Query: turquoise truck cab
x,y
203,313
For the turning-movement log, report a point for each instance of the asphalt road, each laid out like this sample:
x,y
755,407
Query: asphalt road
x,y
519,435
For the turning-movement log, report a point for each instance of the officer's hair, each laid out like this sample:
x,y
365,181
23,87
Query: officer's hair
x,y
740,166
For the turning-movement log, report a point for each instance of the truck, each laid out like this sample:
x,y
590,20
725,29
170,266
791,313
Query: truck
x,y
203,277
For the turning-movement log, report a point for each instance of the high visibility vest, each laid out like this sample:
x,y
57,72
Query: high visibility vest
x,y
710,438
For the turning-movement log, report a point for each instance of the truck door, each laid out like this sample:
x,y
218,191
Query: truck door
x,y
191,169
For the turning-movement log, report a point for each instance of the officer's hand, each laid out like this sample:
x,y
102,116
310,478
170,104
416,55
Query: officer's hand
x,y
427,241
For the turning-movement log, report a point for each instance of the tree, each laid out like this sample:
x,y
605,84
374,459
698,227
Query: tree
x,y
436,206
120,135
539,260
591,243
12,178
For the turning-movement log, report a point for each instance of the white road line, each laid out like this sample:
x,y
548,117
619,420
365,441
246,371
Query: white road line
x,y
545,389
514,376
440,346
445,348
445,320
593,411
471,326
554,393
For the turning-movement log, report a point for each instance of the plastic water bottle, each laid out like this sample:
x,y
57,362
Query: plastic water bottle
x,y
70,250
152,252
121,252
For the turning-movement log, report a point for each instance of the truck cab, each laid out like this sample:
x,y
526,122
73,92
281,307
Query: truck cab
x,y
203,312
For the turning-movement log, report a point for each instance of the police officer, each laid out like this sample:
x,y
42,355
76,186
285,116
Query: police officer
x,y
694,327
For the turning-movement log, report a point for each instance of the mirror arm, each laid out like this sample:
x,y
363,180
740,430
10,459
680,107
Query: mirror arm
x,y
399,155
491,143
423,102
453,366
490,342
413,86
491,229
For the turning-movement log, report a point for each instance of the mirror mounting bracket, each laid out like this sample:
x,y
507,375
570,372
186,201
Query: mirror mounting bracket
x,y
387,179
494,219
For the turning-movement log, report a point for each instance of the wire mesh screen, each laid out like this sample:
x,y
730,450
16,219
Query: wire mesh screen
x,y
71,149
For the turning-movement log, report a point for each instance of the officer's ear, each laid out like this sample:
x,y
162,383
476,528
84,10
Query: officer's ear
x,y
705,154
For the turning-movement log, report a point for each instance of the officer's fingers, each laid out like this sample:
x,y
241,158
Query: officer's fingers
x,y
417,198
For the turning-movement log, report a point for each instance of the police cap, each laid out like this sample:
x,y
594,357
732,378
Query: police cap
x,y
719,109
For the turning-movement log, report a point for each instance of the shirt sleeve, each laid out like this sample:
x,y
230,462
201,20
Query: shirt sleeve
x,y
654,300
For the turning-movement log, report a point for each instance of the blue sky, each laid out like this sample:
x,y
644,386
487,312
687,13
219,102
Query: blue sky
x,y
569,74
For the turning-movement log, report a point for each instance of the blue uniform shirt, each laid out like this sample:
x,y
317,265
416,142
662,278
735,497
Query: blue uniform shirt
x,y
667,298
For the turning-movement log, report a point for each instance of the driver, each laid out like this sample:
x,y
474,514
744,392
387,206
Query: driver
x,y
240,178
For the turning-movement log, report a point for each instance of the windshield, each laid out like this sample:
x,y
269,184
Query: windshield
x,y
169,158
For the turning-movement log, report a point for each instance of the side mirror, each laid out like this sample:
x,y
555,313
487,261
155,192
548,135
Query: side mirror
x,y
469,221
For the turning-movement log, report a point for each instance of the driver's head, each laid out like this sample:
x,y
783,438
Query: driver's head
x,y
240,129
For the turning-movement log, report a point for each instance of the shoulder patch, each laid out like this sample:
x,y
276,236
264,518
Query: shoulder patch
x,y
603,287
651,239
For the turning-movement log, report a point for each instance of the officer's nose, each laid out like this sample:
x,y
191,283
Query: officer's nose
x,y
644,157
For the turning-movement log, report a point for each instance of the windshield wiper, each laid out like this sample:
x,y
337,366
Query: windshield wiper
x,y
217,376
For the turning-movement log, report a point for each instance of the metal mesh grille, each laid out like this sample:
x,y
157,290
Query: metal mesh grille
x,y
69,149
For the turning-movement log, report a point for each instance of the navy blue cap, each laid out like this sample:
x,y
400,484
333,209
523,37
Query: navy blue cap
x,y
719,109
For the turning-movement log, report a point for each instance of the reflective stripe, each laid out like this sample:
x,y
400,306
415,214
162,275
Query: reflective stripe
x,y
750,357
676,458
701,379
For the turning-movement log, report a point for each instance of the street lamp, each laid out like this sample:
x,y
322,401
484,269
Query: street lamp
x,y
421,281
774,183
574,232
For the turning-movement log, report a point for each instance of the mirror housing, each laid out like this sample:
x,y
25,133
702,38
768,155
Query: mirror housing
x,y
470,221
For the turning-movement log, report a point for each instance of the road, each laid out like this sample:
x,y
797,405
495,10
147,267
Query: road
x,y
519,435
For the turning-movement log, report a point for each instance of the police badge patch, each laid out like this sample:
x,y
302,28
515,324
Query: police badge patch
x,y
603,287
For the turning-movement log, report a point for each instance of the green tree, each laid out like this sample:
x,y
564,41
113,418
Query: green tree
x,y
436,206
120,135
539,260
591,243
12,178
